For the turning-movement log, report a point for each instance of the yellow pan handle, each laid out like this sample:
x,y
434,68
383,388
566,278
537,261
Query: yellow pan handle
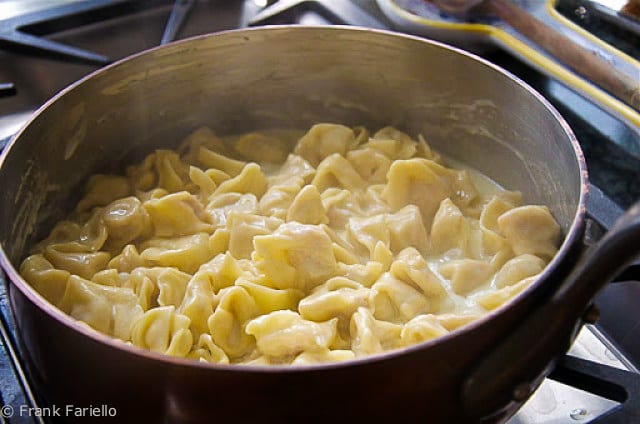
x,y
477,35
575,57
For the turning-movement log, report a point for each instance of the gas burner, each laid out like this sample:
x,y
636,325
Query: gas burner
x,y
605,381
342,11
22,32
13,34
181,9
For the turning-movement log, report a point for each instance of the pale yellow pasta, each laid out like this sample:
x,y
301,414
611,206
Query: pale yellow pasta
x,y
285,333
323,140
339,297
163,330
370,335
268,248
306,207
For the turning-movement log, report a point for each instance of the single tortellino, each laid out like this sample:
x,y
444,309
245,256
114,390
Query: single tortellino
x,y
336,171
126,220
411,268
250,180
450,229
94,232
244,227
295,256
396,301
371,164
163,330
338,297
414,182
517,269
393,143
143,177
102,190
453,321
201,137
219,162
285,333
185,253
142,281
45,278
221,271
530,229
128,259
177,214
421,328
269,299
110,277
198,303
172,285
83,264
323,140
407,230
306,207
493,240
111,310
366,274
278,198
370,335
492,299
369,231
235,250
219,207
173,174
340,205
219,241
227,324
204,182
63,232
294,167
260,147
323,356
466,275
206,350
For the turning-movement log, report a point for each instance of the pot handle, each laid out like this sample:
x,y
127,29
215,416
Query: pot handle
x,y
583,61
604,212
515,367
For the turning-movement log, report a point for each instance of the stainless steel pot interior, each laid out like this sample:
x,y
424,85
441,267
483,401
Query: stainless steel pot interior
x,y
286,77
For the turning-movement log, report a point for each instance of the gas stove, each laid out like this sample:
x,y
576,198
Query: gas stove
x,y
47,45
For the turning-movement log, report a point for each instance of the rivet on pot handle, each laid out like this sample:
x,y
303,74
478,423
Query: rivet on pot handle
x,y
528,351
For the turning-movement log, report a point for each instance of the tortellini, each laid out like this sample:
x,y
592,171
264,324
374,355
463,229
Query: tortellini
x,y
285,333
272,248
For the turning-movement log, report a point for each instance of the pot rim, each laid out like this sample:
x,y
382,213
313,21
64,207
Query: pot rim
x,y
571,238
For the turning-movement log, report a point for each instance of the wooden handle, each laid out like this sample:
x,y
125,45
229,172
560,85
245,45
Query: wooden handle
x,y
577,58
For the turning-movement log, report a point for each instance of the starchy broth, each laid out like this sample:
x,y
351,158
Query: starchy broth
x,y
256,249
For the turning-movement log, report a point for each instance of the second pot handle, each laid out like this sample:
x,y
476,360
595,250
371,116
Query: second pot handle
x,y
626,68
517,364
583,61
